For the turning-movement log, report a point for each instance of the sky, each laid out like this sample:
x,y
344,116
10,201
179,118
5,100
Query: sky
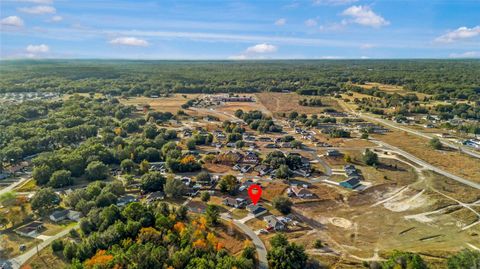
x,y
238,30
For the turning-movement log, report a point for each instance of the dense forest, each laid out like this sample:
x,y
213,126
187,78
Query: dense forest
x,y
441,78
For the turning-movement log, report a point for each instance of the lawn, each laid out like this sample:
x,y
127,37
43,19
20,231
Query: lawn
x,y
47,259
11,243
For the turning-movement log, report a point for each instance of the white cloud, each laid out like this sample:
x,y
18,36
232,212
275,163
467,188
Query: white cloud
x,y
460,33
56,18
281,22
364,15
34,49
43,2
13,21
333,2
467,54
364,57
129,41
38,10
311,22
255,52
262,48
367,46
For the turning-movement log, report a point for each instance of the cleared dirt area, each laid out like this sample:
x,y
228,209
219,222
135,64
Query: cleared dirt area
x,y
288,102
449,159
164,104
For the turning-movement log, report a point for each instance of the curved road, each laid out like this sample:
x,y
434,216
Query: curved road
x,y
447,143
427,165
259,246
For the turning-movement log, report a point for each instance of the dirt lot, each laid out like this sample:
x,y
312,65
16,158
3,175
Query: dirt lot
x,y
449,160
11,243
288,102
171,104
47,259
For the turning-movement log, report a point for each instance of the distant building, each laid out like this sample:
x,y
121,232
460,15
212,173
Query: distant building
x,y
126,199
300,192
31,229
155,196
235,202
59,215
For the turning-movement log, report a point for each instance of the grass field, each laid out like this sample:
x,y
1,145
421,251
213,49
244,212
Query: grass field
x,y
449,160
288,102
392,89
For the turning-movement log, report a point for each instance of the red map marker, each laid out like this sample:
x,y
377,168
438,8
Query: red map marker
x,y
255,191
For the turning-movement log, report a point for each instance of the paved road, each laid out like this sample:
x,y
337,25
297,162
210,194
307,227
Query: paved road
x,y
428,166
259,246
14,184
418,133
18,261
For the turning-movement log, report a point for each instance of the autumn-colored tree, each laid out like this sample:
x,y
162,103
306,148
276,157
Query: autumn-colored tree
x,y
100,260
200,243
189,159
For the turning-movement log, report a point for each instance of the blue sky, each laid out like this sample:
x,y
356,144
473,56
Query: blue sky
x,y
262,29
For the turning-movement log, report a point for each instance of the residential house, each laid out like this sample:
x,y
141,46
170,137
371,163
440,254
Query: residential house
x,y
273,223
126,199
256,210
237,202
250,157
265,139
263,170
351,183
59,215
302,172
246,168
271,146
31,229
155,196
299,192
334,153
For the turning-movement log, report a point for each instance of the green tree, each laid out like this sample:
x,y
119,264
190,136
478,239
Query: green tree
x,y
191,144
174,187
42,174
203,178
283,172
284,255
370,157
282,204
96,170
212,214
205,196
464,259
144,167
152,181
228,184
44,199
404,260
435,143
61,178
127,165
